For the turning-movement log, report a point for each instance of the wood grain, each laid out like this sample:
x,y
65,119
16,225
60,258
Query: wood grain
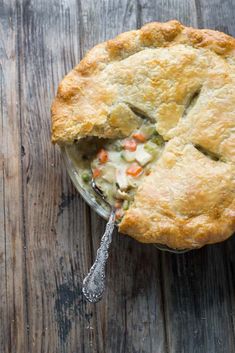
x,y
13,332
155,302
56,219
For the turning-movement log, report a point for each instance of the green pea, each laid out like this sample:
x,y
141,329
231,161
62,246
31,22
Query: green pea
x,y
158,140
86,177
118,146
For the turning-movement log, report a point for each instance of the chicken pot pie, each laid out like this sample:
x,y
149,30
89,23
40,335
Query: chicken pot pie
x,y
160,101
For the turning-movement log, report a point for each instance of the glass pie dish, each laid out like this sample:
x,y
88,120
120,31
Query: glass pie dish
x,y
75,164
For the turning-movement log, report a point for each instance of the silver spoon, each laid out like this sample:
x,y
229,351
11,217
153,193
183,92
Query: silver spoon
x,y
94,283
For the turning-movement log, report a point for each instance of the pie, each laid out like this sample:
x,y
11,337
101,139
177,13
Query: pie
x,y
160,101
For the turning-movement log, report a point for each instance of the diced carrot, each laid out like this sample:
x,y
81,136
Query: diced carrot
x,y
118,204
119,213
130,145
134,170
96,173
139,137
103,156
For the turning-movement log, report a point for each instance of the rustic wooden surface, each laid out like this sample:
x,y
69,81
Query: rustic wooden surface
x,y
155,302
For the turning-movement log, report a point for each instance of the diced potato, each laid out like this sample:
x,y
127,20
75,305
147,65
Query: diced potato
x,y
128,156
121,179
109,173
142,157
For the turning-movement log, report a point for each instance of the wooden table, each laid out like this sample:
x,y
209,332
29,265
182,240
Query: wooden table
x,y
155,302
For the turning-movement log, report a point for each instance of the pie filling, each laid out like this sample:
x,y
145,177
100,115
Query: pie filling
x,y
119,166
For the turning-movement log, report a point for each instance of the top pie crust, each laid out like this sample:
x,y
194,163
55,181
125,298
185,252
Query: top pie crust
x,y
184,80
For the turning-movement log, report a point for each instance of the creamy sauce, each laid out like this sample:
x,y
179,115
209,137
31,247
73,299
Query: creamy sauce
x,y
120,165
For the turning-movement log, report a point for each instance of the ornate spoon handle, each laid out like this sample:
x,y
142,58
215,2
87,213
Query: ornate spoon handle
x,y
94,282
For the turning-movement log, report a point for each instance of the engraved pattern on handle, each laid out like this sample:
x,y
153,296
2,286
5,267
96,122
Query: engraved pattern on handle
x,y
94,282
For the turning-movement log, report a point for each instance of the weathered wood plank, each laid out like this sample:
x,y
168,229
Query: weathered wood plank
x,y
198,302
13,323
56,219
162,11
216,14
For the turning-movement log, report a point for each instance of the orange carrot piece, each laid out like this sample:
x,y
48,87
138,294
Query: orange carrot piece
x,y
96,173
134,170
118,204
139,137
103,156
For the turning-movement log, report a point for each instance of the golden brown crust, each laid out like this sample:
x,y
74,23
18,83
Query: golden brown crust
x,y
184,79
187,202
78,108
